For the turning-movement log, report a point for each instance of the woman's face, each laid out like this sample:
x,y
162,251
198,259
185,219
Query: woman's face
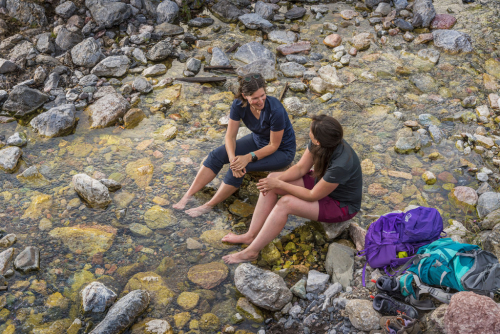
x,y
311,136
257,100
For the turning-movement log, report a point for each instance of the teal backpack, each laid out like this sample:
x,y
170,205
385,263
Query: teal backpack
x,y
446,265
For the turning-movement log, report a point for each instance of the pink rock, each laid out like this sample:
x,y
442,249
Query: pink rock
x,y
332,40
286,49
357,234
157,154
443,21
353,51
423,38
393,32
472,313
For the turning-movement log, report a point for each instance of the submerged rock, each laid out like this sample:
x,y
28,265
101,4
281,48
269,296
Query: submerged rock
x,y
92,191
28,260
208,275
9,158
56,122
88,240
96,297
161,296
33,177
464,198
158,218
263,288
123,314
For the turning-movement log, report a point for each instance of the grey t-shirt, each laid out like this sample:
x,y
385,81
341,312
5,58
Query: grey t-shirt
x,y
345,169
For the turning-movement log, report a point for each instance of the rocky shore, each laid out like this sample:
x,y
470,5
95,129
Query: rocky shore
x,y
100,134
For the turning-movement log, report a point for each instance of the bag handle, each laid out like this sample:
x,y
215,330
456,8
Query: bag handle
x,y
439,294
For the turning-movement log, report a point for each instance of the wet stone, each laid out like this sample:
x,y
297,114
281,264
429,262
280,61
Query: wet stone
x,y
92,191
208,275
56,122
24,100
28,260
158,217
9,157
96,297
452,41
5,259
86,239
140,230
464,197
213,238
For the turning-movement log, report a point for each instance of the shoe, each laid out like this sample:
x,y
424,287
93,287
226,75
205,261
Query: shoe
x,y
387,305
389,286
400,325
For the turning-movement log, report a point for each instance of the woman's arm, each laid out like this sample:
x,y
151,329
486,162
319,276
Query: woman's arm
x,y
300,169
274,143
320,190
230,139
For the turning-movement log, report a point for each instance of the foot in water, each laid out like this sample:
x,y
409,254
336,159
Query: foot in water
x,y
182,203
243,256
195,212
237,239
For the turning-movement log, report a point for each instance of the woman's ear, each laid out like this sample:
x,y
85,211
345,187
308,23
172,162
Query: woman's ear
x,y
244,96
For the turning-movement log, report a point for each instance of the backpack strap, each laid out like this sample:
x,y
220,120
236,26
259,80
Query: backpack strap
x,y
364,272
424,305
439,294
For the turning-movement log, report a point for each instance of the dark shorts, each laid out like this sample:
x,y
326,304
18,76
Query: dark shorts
x,y
329,209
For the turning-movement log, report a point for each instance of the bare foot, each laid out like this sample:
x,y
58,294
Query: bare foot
x,y
237,239
195,212
182,203
240,257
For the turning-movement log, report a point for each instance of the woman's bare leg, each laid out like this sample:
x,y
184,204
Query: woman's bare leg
x,y
224,191
264,206
274,224
205,176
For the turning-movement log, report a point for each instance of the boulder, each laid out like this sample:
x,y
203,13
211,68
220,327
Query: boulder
x,y
56,122
316,282
108,13
226,11
282,36
166,11
123,313
28,260
107,110
28,13
86,53
96,297
254,21
471,313
66,9
264,66
113,66
160,51
92,191
423,13
219,58
66,39
208,275
9,157
452,41
44,43
250,52
464,198
7,66
491,220
362,315
264,10
23,101
295,13
339,264
263,288
488,202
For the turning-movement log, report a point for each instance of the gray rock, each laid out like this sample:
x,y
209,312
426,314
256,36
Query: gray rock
x,y
295,311
322,9
166,11
17,139
160,51
5,259
28,260
424,82
96,297
114,66
9,239
487,203
383,8
167,29
400,4
193,65
142,85
298,87
403,24
372,3
88,80
423,13
492,241
155,70
436,133
334,230
201,22
24,100
123,313
9,156
139,56
283,37
491,220
294,106
253,51
332,291
56,122
292,70
452,41
86,53
52,82
406,145
140,230
295,13
66,9
108,13
44,43
264,66
297,59
66,39
226,11
264,10
254,21
8,43
92,191
263,288
21,51
107,110
429,54
329,75
362,315
112,185
219,58
28,13
339,264
316,281
6,66
299,289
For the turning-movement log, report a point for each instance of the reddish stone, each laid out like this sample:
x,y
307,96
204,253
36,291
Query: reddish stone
x,y
332,40
471,313
393,32
447,177
353,51
98,259
443,21
423,38
287,49
112,269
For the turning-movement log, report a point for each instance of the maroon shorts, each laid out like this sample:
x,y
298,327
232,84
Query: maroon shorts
x,y
329,209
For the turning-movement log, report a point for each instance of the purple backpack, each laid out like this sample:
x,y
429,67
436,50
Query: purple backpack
x,y
400,232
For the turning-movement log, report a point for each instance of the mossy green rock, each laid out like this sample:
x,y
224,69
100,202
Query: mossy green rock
x,y
290,247
270,254
140,230
492,67
161,295
158,217
188,300
56,327
79,279
209,322
87,240
213,238
181,319
208,275
241,209
165,266
248,310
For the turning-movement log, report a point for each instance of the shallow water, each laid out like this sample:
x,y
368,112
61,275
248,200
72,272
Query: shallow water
x,y
364,107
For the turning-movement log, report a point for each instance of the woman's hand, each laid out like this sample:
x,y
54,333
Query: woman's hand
x,y
239,173
240,162
267,184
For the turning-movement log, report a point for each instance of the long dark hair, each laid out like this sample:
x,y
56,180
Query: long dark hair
x,y
249,84
328,132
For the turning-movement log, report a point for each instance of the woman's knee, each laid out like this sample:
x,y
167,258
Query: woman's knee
x,y
287,202
274,174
